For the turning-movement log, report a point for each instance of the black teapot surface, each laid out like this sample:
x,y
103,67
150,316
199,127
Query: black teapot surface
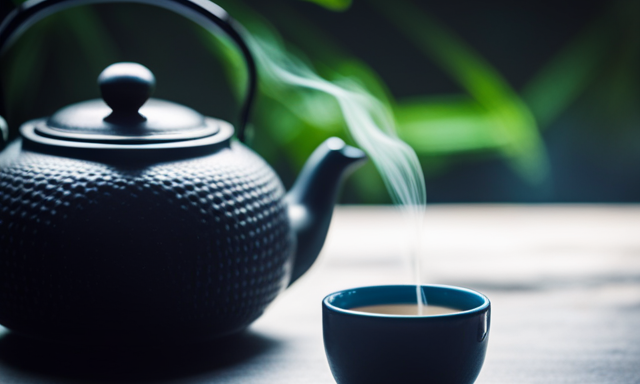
x,y
140,220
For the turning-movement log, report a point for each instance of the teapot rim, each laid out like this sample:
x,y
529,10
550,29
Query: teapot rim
x,y
33,140
164,122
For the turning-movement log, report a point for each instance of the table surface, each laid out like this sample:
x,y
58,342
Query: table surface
x,y
564,281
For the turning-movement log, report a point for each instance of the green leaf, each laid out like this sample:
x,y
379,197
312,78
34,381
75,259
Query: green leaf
x,y
568,74
441,126
333,5
355,70
514,121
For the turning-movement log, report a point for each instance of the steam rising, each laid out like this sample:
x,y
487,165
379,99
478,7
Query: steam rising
x,y
371,125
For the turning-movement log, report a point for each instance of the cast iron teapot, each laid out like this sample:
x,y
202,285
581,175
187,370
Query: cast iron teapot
x,y
132,219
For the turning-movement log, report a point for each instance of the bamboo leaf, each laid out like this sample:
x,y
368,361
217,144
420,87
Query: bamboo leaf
x,y
513,119
444,126
567,75
333,5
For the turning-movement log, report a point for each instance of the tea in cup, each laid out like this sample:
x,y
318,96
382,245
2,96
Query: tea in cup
x,y
375,335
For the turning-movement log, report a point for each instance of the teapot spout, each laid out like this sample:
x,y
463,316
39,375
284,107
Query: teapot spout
x,y
312,197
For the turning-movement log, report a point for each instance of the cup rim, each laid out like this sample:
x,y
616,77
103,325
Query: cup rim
x,y
485,304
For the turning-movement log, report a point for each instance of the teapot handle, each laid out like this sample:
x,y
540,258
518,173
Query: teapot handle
x,y
203,12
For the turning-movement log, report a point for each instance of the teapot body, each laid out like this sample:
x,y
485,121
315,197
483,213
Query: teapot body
x,y
188,249
129,219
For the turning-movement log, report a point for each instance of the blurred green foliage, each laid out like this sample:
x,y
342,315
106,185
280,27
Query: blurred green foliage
x,y
334,5
487,118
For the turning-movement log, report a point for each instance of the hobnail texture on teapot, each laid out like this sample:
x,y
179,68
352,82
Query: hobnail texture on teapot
x,y
132,219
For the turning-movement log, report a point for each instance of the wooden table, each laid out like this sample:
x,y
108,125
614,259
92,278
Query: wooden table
x,y
564,282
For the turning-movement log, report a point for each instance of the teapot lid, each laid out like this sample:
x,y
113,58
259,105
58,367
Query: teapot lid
x,y
125,114
126,119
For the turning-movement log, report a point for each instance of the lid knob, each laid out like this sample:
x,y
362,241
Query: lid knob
x,y
125,87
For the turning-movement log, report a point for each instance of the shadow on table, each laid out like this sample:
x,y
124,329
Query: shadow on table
x,y
129,364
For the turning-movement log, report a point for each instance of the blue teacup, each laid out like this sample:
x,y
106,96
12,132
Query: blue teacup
x,y
372,348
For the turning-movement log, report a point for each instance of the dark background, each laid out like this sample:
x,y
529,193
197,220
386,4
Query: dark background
x,y
591,145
